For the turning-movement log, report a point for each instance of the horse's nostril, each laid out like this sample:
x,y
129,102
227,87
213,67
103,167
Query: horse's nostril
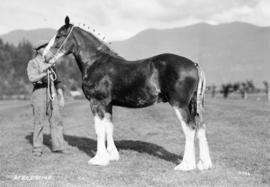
x,y
47,57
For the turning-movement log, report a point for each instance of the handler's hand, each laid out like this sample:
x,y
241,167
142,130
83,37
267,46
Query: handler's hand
x,y
61,102
52,61
45,67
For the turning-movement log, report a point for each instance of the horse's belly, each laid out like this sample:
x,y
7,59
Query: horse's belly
x,y
135,99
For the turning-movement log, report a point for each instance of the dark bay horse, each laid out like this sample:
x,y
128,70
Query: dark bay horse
x,y
110,80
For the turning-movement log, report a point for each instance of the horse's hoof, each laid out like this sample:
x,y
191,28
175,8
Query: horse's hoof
x,y
204,165
99,161
184,166
114,156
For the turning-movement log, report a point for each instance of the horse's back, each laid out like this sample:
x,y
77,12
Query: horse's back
x,y
165,77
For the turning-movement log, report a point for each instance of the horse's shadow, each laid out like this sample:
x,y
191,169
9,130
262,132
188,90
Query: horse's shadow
x,y
88,146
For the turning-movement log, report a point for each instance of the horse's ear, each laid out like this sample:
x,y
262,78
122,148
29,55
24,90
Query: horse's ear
x,y
67,20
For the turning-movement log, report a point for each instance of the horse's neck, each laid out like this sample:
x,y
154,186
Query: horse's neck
x,y
82,65
85,60
87,50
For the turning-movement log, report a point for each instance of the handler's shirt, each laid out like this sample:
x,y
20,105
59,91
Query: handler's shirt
x,y
34,68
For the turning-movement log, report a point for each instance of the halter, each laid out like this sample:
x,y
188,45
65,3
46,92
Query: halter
x,y
57,55
51,75
65,40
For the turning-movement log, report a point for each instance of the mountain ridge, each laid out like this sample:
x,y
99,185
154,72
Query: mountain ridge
x,y
16,36
228,52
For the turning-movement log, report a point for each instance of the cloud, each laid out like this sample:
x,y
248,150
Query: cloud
x,y
257,14
120,19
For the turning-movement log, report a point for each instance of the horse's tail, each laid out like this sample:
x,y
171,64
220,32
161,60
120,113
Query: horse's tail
x,y
197,101
200,90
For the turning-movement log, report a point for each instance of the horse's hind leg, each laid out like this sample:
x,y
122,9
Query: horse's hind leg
x,y
188,162
205,160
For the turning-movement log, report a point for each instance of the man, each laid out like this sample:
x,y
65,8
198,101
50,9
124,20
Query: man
x,y
44,106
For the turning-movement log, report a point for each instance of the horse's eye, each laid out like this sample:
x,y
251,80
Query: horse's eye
x,y
57,37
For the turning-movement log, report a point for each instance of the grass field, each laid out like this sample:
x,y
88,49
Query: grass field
x,y
150,142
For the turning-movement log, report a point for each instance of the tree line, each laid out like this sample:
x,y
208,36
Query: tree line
x,y
13,75
242,88
14,81
13,62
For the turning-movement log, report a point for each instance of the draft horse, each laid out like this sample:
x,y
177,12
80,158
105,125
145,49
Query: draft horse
x,y
109,80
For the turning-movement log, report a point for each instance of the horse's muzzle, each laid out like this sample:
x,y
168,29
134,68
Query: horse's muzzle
x,y
48,56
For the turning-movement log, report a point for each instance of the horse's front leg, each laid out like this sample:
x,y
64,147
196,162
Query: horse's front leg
x,y
104,129
111,148
102,157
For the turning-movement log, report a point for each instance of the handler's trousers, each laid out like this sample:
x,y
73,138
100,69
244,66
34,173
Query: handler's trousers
x,y
43,110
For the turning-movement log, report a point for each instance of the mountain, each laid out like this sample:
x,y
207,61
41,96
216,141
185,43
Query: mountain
x,y
14,37
228,52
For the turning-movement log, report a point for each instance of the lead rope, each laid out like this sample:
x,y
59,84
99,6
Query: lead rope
x,y
51,77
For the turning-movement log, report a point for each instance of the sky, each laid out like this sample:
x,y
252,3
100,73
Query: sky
x,y
120,19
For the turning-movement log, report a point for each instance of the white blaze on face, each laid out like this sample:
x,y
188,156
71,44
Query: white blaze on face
x,y
48,47
57,56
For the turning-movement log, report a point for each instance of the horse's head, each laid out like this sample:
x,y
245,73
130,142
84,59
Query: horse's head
x,y
62,43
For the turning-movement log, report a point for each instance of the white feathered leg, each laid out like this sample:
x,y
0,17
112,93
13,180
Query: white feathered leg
x,y
188,162
102,157
205,160
111,148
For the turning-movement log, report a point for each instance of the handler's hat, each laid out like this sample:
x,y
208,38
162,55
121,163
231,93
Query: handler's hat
x,y
40,44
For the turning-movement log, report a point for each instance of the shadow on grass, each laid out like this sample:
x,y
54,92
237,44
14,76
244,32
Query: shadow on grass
x,y
88,146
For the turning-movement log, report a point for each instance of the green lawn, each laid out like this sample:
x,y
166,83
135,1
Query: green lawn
x,y
150,142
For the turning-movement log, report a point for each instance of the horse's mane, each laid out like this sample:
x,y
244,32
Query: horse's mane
x,y
103,45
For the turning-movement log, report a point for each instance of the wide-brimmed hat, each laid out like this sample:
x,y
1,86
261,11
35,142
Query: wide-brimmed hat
x,y
40,44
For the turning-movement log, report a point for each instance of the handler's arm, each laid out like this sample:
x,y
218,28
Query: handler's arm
x,y
37,77
33,74
61,97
